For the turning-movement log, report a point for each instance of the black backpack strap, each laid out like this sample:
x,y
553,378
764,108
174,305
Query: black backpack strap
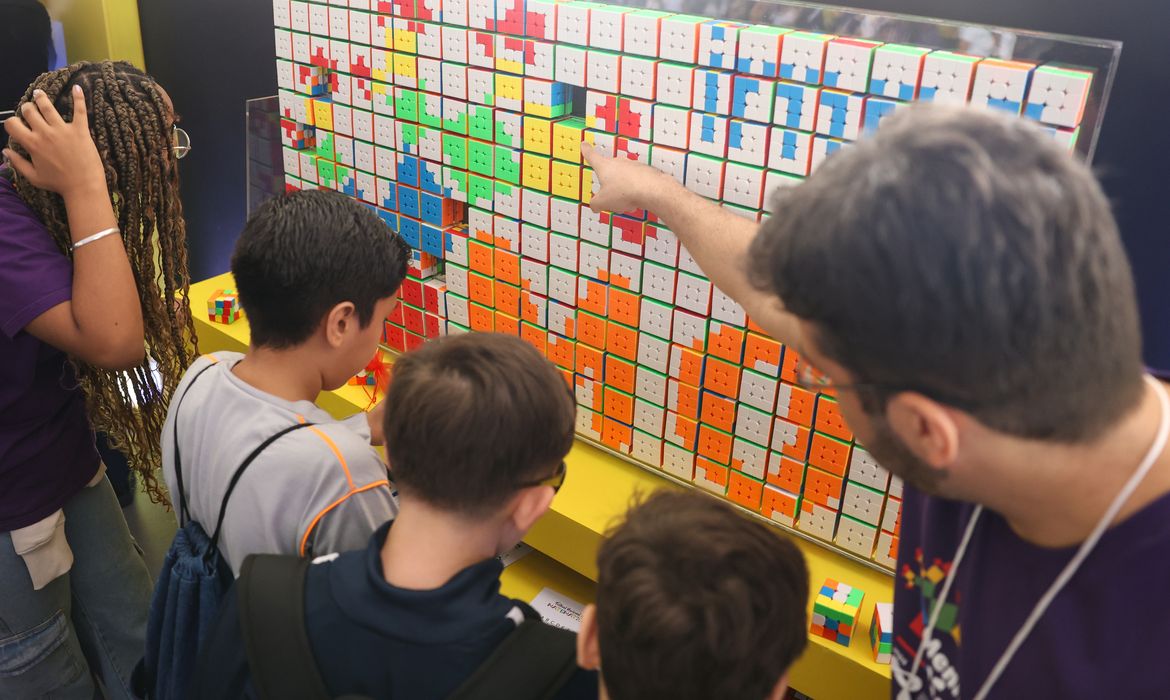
x,y
184,513
532,663
271,596
240,472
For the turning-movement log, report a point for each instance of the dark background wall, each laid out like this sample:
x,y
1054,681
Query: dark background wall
x,y
213,54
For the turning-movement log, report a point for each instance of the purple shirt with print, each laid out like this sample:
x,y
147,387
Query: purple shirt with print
x,y
47,451
1100,637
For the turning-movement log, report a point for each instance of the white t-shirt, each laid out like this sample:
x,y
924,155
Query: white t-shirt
x,y
314,491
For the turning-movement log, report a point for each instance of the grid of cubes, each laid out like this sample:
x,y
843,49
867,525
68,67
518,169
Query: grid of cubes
x,y
455,121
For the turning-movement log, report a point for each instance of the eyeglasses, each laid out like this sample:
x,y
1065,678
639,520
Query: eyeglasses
x,y
181,143
811,379
556,481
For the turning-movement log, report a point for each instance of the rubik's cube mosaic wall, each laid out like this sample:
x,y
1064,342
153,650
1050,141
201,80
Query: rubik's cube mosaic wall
x,y
460,121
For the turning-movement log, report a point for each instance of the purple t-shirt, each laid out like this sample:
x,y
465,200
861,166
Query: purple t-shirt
x,y
1098,638
47,451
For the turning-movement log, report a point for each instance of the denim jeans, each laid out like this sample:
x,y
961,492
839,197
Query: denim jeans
x,y
88,623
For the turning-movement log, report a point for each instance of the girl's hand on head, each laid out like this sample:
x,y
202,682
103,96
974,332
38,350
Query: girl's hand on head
x,y
62,157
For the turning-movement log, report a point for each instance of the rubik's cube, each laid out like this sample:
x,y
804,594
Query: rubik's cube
x,y
835,611
224,306
363,378
881,632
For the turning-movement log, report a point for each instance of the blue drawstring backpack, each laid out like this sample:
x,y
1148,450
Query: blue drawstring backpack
x,y
187,594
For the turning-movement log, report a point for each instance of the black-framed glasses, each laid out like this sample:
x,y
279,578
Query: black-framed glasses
x,y
556,481
180,142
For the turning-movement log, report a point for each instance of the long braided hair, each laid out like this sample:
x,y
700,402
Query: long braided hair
x,y
132,125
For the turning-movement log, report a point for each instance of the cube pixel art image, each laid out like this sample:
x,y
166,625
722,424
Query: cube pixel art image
x,y
835,611
460,123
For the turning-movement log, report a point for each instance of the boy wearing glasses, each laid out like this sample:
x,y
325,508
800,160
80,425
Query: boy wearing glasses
x,y
477,428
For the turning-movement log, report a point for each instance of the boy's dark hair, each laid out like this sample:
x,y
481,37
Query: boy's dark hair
x,y
303,253
696,601
471,418
962,254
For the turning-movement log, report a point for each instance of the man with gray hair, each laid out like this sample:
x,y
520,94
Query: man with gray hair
x,y
958,282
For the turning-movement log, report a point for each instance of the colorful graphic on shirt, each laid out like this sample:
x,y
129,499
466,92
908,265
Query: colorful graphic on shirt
x,y
928,580
936,676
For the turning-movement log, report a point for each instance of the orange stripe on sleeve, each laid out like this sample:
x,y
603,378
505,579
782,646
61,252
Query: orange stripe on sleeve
x,y
331,506
337,453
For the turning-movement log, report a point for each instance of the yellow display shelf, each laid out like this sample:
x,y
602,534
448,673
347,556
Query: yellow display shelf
x,y
598,489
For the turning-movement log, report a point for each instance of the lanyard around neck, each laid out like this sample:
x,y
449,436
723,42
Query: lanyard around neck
x,y
903,678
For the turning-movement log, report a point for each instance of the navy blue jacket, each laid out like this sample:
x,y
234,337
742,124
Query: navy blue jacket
x,y
372,638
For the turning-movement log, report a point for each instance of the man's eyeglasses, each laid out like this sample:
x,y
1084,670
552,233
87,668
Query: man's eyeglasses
x,y
555,481
180,143
811,379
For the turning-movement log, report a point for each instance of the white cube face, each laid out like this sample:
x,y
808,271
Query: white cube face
x,y
717,44
570,65
705,176
679,39
709,135
802,57
946,78
1057,96
712,91
605,28
847,64
747,143
1000,85
759,53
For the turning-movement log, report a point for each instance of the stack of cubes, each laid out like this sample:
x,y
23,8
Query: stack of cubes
x,y
460,122
835,611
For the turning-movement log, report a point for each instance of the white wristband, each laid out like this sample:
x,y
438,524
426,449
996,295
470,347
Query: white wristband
x,y
95,237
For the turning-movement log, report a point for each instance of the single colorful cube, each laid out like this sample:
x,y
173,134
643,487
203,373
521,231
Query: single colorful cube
x,y
802,56
897,70
224,306
606,24
835,611
947,77
747,142
796,106
759,50
712,91
541,19
642,31
839,114
1057,95
881,632
847,64
877,109
718,42
1001,84
675,84
679,38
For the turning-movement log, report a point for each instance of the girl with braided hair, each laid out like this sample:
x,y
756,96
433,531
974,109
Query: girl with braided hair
x,y
92,261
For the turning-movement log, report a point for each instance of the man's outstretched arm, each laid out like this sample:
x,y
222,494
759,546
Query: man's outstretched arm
x,y
717,239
